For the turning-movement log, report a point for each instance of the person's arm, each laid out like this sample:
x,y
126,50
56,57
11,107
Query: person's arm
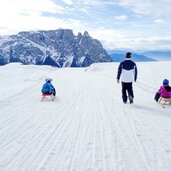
x,y
136,73
119,72
52,87
160,89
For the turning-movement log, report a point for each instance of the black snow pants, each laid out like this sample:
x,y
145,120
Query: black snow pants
x,y
127,92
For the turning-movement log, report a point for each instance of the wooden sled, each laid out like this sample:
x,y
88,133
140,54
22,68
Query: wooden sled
x,y
47,95
164,100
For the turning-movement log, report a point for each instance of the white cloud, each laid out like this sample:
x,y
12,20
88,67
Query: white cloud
x,y
153,43
106,34
137,6
114,39
26,15
121,17
30,7
160,21
99,2
19,12
18,15
41,23
68,2
153,8
109,37
137,44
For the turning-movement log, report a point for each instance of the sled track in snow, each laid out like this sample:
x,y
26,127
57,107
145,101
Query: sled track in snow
x,y
86,128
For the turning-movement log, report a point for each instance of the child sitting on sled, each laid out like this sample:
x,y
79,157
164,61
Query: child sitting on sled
x,y
164,91
48,88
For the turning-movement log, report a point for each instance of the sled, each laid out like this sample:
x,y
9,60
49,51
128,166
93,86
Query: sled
x,y
164,100
47,95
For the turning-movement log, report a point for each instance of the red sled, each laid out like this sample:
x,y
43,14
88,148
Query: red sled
x,y
47,95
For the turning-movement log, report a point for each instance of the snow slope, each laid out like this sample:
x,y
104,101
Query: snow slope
x,y
87,127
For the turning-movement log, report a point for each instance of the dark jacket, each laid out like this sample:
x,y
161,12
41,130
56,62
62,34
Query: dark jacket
x,y
127,70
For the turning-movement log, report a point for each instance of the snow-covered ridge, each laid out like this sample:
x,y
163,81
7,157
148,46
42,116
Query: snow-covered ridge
x,y
59,48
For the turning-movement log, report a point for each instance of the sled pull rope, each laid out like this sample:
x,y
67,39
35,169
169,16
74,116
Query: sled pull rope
x,y
145,86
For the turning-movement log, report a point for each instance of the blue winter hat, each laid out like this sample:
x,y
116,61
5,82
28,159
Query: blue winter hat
x,y
165,82
48,79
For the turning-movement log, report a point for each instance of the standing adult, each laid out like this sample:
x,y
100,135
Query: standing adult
x,y
127,71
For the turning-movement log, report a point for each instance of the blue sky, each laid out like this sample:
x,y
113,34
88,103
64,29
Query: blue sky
x,y
118,24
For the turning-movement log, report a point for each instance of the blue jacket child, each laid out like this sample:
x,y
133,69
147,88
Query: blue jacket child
x,y
48,88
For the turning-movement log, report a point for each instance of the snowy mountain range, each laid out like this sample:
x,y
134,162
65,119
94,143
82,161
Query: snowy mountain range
x,y
158,55
136,57
59,48
147,56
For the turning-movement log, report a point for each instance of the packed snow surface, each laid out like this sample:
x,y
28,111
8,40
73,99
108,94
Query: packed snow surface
x,y
87,127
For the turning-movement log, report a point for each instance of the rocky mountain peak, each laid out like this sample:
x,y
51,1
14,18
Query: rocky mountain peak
x,y
59,48
86,34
